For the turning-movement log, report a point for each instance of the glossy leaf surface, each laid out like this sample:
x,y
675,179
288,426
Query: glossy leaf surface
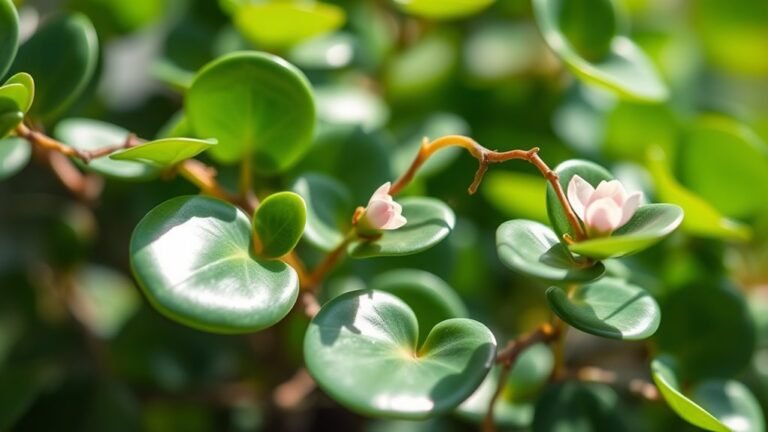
x,y
609,308
430,298
278,224
532,248
24,79
429,222
362,350
165,152
257,105
192,257
329,206
9,34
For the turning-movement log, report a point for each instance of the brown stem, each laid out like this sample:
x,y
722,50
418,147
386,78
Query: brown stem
x,y
45,142
204,177
83,186
487,157
329,262
635,386
508,355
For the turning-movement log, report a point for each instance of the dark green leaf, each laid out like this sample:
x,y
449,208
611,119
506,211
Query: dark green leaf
x,y
257,105
578,407
192,257
429,222
62,55
362,350
532,248
278,224
9,120
9,35
329,206
609,308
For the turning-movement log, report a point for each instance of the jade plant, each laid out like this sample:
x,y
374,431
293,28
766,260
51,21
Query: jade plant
x,y
282,221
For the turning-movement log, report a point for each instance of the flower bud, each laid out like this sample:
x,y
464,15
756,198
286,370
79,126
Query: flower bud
x,y
382,212
603,209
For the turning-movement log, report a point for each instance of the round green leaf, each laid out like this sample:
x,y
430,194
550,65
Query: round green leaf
x,y
699,313
192,257
14,156
257,105
578,407
9,34
280,24
429,222
85,134
443,9
362,350
165,152
26,80
17,94
715,405
62,54
610,308
585,35
528,200
589,171
533,249
9,119
430,297
650,224
278,224
514,407
744,164
329,206
701,218
103,300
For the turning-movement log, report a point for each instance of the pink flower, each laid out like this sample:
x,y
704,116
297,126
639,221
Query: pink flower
x,y
382,212
602,209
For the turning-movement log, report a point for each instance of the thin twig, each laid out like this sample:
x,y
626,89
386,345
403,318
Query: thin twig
x,y
487,157
506,358
45,142
635,386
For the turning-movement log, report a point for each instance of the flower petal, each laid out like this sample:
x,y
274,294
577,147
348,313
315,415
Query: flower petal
x,y
630,207
579,192
381,193
396,222
609,189
603,216
378,213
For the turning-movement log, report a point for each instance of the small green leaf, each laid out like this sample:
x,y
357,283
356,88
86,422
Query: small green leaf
x,y
429,222
701,218
650,224
257,105
430,297
574,407
443,9
62,55
85,134
9,120
26,80
192,257
610,308
281,24
103,300
9,35
329,209
165,152
533,249
362,350
16,93
423,67
586,36
714,404
589,171
278,224
14,156
514,407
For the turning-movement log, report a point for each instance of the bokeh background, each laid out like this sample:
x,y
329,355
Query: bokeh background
x,y
81,349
